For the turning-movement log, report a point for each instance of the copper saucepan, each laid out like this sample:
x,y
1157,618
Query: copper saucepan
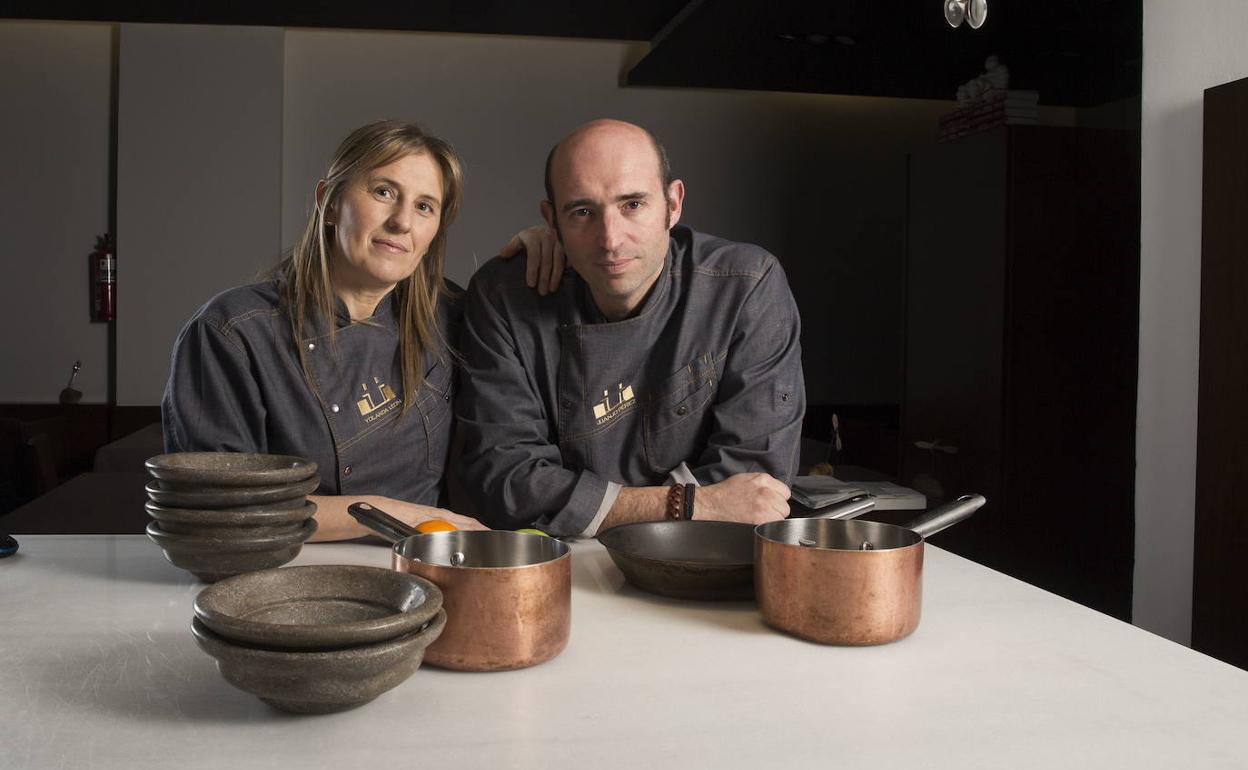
x,y
847,582
507,595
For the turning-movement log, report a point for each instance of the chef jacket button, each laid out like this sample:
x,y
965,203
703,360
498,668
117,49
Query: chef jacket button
x,y
682,409
311,346
333,408
446,396
346,471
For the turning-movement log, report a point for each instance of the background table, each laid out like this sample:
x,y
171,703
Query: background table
x,y
89,503
100,670
129,453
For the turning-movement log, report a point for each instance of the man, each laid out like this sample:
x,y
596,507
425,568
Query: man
x,y
667,356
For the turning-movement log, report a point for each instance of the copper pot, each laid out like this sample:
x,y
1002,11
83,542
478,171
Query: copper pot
x,y
847,582
507,595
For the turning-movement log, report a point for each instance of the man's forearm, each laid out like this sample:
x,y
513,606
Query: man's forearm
x,y
636,504
750,498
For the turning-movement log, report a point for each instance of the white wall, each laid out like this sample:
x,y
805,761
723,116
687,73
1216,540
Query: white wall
x,y
198,184
1188,47
55,85
819,180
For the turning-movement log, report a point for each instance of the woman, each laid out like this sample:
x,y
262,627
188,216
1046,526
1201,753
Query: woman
x,y
342,356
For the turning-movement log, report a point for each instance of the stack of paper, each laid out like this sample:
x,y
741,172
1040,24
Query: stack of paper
x,y
817,492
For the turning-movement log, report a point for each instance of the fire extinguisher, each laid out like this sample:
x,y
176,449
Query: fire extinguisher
x,y
103,279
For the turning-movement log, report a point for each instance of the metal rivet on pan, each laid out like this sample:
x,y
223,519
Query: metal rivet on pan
x,y
866,546
457,559
805,542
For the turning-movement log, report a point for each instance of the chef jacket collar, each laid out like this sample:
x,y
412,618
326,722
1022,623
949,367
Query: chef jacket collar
x,y
383,314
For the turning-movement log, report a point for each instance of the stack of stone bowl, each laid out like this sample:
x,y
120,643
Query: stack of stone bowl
x,y
217,514
321,638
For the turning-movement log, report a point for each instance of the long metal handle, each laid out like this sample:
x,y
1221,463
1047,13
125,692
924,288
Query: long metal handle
x,y
946,515
846,509
380,522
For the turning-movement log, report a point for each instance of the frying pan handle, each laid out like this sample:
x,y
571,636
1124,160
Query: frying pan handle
x,y
946,515
380,522
847,509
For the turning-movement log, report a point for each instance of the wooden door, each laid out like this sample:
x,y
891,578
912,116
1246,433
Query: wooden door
x,y
1220,573
955,279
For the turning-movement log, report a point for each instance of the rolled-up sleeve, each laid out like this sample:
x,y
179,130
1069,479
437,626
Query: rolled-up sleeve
x,y
212,401
758,409
511,464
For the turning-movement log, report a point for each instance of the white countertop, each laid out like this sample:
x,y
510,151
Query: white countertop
x,y
98,669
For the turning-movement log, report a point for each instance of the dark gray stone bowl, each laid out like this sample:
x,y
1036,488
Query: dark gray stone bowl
x,y
230,469
230,523
214,558
176,495
319,682
317,607
229,533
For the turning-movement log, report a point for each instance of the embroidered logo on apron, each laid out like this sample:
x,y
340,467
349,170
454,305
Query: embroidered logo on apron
x,y
371,407
605,411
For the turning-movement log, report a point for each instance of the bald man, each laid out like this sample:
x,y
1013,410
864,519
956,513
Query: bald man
x,y
663,378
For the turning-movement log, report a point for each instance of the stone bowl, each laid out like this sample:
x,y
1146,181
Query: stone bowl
x,y
319,681
234,523
213,558
317,607
177,495
229,469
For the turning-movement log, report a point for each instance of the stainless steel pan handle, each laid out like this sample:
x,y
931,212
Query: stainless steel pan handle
x,y
846,509
945,516
380,522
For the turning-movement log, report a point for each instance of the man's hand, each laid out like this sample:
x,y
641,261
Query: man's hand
x,y
753,498
545,257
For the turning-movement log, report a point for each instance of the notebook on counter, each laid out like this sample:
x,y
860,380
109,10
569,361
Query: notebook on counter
x,y
817,492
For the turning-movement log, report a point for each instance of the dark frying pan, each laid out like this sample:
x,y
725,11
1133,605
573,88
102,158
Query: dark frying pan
x,y
698,559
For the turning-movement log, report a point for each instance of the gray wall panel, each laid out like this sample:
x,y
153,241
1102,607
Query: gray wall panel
x,y
54,144
199,181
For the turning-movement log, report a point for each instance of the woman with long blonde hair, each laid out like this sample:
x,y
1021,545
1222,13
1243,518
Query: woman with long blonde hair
x,y
344,354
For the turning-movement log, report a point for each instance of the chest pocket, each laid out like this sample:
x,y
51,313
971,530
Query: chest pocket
x,y
678,417
434,402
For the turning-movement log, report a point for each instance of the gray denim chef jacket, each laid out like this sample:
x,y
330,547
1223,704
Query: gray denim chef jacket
x,y
236,385
557,405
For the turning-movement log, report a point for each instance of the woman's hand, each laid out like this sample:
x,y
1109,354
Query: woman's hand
x,y
334,523
545,257
460,522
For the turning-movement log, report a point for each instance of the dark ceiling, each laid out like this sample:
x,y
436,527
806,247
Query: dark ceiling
x,y
1074,52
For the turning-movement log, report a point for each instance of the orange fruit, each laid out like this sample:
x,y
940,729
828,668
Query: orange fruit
x,y
435,525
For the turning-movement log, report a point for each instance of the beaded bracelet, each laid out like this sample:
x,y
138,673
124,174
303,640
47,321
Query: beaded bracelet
x,y
675,503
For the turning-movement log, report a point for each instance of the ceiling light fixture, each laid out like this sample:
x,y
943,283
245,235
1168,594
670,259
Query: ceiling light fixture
x,y
973,12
